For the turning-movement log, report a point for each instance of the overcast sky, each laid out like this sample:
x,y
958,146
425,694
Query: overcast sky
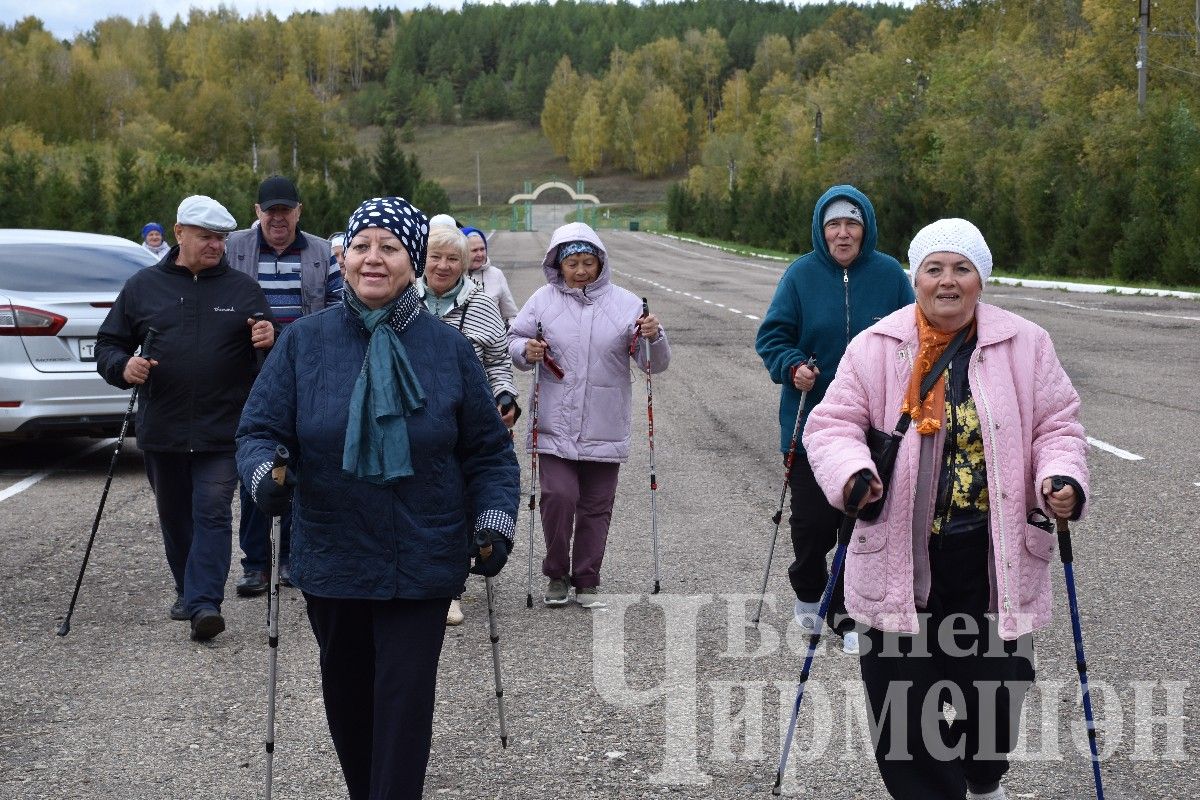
x,y
66,18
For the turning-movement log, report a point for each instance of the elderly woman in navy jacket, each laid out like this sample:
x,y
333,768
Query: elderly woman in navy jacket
x,y
403,465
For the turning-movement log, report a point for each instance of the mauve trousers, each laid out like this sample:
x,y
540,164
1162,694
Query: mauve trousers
x,y
577,497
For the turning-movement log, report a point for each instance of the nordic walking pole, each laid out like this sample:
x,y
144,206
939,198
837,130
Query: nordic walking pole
x,y
65,627
533,467
1037,517
839,556
483,542
650,427
787,477
279,474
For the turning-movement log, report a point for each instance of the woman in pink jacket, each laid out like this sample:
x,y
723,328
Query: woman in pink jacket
x,y
589,326
950,580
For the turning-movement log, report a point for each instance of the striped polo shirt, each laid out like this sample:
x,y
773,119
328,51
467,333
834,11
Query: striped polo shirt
x,y
279,277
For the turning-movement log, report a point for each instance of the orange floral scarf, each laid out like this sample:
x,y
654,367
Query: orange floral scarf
x,y
932,344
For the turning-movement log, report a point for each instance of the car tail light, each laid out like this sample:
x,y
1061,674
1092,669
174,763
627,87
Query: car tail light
x,y
10,403
25,321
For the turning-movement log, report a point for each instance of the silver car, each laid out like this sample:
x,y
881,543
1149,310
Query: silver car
x,y
55,289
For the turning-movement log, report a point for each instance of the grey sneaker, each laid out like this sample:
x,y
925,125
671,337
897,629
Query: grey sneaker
x,y
590,598
557,592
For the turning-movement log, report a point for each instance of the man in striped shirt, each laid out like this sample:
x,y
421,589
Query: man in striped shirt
x,y
298,274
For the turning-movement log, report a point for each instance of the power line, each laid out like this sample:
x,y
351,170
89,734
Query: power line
x,y
1176,69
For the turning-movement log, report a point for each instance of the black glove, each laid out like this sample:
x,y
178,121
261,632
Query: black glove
x,y
272,498
490,567
505,403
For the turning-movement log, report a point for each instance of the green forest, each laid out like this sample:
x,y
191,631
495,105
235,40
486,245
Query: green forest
x,y
1021,115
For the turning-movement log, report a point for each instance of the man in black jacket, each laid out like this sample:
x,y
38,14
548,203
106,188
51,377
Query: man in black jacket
x,y
196,378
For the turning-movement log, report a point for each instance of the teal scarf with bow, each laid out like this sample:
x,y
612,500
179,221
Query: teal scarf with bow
x,y
386,392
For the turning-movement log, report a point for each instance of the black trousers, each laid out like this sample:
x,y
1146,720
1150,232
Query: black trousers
x,y
379,662
814,525
920,755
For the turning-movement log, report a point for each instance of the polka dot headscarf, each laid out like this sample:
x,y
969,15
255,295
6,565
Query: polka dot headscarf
x,y
399,216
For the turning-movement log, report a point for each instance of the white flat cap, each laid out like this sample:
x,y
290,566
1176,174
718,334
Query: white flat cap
x,y
204,212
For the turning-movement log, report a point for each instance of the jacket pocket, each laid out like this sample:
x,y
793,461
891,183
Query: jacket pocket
x,y
606,414
1035,564
866,563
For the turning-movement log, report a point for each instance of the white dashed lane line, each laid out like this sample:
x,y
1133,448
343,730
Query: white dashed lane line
x,y
726,258
688,295
22,485
1079,307
1116,451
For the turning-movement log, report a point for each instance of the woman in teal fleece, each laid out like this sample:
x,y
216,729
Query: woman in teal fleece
x,y
824,299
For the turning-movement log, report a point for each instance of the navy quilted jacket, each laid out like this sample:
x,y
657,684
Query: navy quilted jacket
x,y
410,539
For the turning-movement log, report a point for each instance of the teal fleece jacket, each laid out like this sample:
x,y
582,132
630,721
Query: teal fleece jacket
x,y
819,307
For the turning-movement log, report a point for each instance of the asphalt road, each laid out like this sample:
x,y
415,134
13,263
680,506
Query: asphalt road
x,y
667,696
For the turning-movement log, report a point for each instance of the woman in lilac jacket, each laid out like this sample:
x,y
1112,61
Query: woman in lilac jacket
x,y
951,580
589,326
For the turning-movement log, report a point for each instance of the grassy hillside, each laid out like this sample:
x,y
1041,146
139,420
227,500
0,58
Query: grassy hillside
x,y
509,154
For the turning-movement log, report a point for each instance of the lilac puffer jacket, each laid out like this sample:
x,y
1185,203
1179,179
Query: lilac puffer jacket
x,y
1029,415
585,416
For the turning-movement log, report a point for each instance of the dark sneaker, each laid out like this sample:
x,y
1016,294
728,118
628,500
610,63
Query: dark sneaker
x,y
557,592
206,624
285,574
252,583
178,611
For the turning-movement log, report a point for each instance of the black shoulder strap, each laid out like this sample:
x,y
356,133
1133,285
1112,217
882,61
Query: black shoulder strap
x,y
938,368
462,320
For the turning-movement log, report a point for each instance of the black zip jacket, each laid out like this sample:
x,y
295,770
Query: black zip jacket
x,y
206,363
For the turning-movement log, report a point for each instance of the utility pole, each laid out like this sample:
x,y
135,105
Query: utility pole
x,y
1143,51
479,191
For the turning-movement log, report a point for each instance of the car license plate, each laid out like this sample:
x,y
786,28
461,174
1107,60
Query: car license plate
x,y
87,349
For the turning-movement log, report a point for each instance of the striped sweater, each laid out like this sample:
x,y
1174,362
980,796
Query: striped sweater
x,y
477,317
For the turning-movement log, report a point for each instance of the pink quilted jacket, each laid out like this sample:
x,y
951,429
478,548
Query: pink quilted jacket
x,y
584,416
1029,413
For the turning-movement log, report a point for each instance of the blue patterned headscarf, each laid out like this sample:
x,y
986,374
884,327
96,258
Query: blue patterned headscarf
x,y
387,390
574,248
399,216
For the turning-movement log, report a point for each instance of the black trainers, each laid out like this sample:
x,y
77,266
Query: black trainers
x,y
252,583
178,611
285,574
206,624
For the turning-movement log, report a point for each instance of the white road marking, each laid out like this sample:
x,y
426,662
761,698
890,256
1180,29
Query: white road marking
x,y
21,486
1106,310
658,285
725,260
1116,451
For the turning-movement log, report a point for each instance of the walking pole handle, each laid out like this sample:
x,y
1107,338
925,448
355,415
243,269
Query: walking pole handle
x,y
1064,531
279,465
853,503
151,334
483,541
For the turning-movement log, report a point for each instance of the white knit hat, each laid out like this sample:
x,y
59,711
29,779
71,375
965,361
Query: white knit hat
x,y
442,219
951,236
